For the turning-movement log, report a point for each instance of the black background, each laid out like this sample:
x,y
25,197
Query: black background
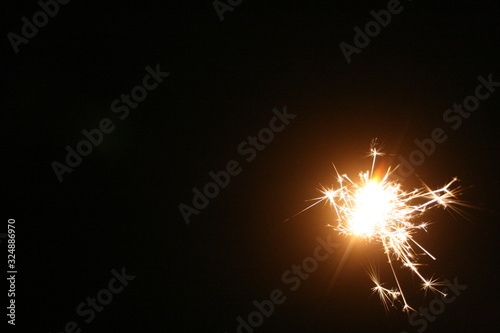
x,y
119,208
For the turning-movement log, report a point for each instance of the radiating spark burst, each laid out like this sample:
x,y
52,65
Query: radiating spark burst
x,y
378,209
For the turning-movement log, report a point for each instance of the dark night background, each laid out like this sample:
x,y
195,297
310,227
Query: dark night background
x,y
119,207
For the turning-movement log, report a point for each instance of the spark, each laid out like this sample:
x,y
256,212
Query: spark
x,y
377,209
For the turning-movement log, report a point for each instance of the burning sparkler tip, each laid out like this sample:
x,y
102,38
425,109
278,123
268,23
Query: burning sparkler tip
x,y
378,209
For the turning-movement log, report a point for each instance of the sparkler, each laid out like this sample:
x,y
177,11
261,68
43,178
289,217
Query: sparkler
x,y
377,209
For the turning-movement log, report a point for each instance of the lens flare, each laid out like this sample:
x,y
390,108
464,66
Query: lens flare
x,y
377,209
